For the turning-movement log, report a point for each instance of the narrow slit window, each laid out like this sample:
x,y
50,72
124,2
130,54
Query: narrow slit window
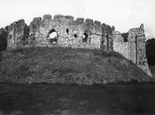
x,y
67,30
75,35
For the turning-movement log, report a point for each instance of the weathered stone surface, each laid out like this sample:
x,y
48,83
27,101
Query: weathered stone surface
x,y
113,28
133,47
58,17
16,34
80,20
97,23
69,17
89,21
47,17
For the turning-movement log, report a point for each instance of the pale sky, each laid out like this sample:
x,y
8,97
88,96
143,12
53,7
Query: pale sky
x,y
123,14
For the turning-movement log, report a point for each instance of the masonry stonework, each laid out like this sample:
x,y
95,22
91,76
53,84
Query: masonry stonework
x,y
64,31
16,34
132,46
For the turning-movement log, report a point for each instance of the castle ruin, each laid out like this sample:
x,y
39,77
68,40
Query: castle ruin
x,y
64,31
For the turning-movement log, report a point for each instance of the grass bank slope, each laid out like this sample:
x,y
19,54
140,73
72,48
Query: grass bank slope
x,y
67,66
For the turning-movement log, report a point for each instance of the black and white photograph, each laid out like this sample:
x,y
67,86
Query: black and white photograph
x,y
77,57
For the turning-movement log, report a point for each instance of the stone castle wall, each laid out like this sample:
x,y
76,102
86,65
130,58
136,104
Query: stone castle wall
x,y
132,46
70,33
16,34
79,33
126,48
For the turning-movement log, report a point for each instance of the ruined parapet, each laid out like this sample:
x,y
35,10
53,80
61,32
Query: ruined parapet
x,y
123,45
94,31
47,17
78,33
17,35
11,36
107,37
80,20
70,33
132,46
141,60
34,34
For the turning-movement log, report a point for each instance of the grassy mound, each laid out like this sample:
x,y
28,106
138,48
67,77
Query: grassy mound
x,y
67,66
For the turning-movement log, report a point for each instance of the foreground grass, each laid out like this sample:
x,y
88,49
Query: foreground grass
x,y
67,66
17,99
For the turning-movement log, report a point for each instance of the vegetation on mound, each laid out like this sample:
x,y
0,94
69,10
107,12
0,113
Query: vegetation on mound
x,y
67,66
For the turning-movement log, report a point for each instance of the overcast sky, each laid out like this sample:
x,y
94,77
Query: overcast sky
x,y
123,14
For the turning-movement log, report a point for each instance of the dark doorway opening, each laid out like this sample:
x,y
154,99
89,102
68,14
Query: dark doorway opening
x,y
75,35
67,30
125,36
85,37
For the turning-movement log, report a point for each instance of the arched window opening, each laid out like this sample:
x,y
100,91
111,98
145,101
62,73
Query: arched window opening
x,y
85,37
67,30
52,35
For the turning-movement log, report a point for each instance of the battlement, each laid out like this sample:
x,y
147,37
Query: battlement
x,y
62,18
69,30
